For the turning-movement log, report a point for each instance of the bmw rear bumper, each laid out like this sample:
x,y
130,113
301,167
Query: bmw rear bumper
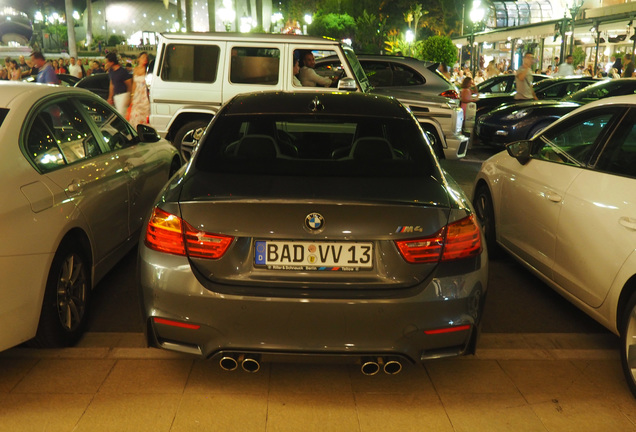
x,y
440,319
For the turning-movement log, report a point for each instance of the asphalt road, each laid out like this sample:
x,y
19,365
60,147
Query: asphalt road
x,y
517,302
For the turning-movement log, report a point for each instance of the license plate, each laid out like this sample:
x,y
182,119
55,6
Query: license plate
x,y
321,256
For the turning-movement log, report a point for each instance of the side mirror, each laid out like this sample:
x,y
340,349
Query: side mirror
x,y
347,84
147,133
520,150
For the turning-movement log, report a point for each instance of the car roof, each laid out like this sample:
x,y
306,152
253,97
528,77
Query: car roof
x,y
327,103
11,90
613,100
244,37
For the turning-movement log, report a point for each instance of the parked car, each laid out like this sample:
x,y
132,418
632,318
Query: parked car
x,y
546,89
195,73
423,89
313,223
564,205
519,121
66,80
504,83
77,183
97,83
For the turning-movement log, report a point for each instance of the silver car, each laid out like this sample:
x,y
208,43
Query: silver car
x,y
313,224
77,183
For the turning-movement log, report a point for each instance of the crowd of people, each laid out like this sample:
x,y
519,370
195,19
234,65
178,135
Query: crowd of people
x,y
127,90
616,67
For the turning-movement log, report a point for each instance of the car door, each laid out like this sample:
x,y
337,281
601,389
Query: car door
x,y
63,146
533,195
597,229
146,172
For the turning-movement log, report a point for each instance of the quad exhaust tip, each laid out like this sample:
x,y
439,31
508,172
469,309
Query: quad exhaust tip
x,y
373,365
370,365
230,362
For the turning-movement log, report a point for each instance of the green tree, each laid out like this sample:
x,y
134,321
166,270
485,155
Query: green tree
x,y
578,57
439,49
370,33
333,25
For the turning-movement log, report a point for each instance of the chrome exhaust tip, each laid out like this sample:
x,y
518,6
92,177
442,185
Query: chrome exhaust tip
x,y
228,363
250,364
370,366
392,367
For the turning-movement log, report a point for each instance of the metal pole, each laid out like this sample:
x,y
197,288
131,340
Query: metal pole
x,y
541,55
563,41
598,41
572,37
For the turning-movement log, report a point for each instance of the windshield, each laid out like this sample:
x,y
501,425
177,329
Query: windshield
x,y
316,145
615,87
361,77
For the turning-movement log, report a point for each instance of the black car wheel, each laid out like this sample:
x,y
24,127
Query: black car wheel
x,y
187,137
65,305
486,216
628,343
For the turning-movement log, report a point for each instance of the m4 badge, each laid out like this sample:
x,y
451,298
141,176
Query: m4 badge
x,y
409,229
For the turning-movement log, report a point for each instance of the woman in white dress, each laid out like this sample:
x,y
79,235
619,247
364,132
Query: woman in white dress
x,y
140,106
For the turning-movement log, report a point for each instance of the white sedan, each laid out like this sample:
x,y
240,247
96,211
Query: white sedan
x,y
77,182
564,205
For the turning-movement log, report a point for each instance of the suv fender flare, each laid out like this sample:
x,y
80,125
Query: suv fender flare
x,y
188,114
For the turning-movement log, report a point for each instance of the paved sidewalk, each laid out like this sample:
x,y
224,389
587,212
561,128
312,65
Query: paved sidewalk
x,y
516,382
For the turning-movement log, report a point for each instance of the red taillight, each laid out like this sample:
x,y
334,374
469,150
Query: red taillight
x,y
461,239
168,233
452,94
420,251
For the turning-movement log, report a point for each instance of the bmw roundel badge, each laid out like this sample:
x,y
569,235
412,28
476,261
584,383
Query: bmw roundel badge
x,y
314,221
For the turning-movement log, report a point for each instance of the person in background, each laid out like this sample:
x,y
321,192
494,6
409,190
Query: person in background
x,y
566,68
61,66
523,79
308,76
46,73
140,105
120,84
75,69
80,63
296,69
492,69
25,69
468,94
628,72
15,74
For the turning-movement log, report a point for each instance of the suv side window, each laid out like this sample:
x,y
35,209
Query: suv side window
x,y
619,156
190,63
254,65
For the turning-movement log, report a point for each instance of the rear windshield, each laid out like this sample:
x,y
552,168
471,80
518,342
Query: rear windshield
x,y
325,146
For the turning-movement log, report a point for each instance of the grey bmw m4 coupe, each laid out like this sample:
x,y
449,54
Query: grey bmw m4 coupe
x,y
313,224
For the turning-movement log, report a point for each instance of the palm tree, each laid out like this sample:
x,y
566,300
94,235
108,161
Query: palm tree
x,y
70,26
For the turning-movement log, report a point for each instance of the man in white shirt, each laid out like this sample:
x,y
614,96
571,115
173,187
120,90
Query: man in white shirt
x,y
308,76
75,69
566,68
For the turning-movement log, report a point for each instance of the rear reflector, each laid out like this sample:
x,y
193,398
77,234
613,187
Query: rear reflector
x,y
179,324
170,234
448,329
461,239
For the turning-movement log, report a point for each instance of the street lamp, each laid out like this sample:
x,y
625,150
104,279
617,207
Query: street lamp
x,y
574,6
476,16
